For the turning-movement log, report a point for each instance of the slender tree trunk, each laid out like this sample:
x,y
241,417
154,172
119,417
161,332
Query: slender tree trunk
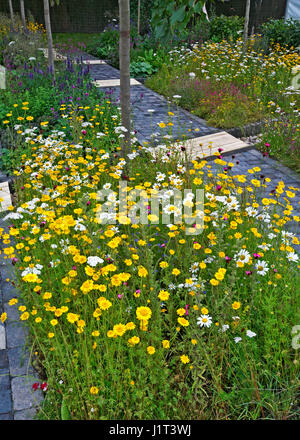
x,y
246,25
139,17
124,51
22,9
49,37
11,11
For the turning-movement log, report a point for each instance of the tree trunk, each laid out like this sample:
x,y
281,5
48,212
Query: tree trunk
x,y
139,17
246,25
11,11
49,37
22,8
124,52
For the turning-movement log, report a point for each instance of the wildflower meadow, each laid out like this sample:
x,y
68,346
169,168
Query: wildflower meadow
x,y
154,286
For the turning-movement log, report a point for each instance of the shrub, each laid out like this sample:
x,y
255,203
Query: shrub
x,y
225,28
284,32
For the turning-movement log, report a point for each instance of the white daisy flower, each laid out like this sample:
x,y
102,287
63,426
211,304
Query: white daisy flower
x,y
204,321
262,267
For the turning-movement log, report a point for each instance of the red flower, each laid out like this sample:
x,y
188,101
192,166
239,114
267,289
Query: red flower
x,y
35,386
44,386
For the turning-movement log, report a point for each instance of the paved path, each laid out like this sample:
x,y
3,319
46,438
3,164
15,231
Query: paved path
x,y
144,99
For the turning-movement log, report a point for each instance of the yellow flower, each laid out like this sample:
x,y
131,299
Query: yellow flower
x,y
134,340
94,390
175,272
119,329
184,359
142,271
130,326
184,322
24,316
104,303
236,305
72,317
166,343
3,317
111,334
143,313
151,349
163,295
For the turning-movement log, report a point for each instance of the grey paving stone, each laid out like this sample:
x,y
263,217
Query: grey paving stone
x,y
3,360
24,397
25,414
19,361
2,337
16,334
5,401
4,380
6,416
8,291
13,313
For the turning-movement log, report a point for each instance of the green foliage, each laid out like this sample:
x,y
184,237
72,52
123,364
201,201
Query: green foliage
x,y
145,17
280,138
168,17
222,28
104,44
141,69
284,32
65,413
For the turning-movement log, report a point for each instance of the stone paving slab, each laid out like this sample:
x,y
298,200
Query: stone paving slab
x,y
24,398
206,146
2,337
5,195
113,82
93,62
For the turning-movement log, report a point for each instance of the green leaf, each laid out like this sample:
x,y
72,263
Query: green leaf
x,y
198,8
64,411
178,16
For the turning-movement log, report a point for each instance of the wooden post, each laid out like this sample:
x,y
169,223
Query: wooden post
x,y
246,24
139,18
124,52
11,11
49,37
22,9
